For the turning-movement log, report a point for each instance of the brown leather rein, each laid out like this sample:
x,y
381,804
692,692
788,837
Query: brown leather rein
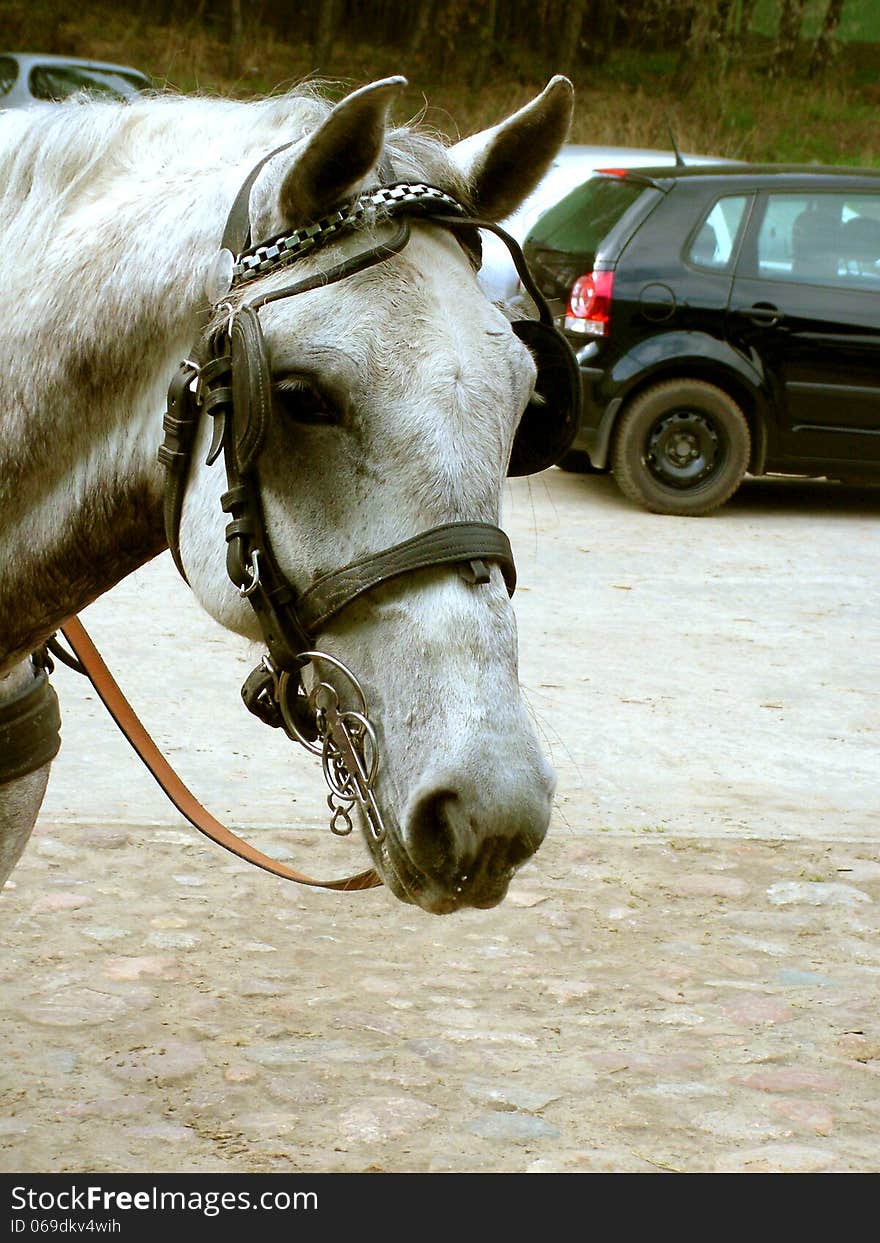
x,y
180,795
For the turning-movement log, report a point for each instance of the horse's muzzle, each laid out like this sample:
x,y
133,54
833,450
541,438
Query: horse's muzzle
x,y
458,847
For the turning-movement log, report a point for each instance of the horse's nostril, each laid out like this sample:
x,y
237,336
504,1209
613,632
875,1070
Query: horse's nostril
x,y
431,833
468,847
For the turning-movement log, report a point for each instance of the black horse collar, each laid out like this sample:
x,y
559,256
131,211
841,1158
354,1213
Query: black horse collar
x,y
30,725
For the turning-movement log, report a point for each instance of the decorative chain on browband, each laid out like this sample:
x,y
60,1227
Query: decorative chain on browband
x,y
387,201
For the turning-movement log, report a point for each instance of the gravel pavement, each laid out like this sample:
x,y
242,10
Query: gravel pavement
x,y
686,977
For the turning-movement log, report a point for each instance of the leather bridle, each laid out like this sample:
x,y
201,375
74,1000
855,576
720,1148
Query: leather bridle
x,y
229,379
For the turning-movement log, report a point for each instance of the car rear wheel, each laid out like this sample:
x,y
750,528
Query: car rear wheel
x,y
682,447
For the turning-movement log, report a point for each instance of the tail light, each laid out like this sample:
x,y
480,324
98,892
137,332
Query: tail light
x,y
589,305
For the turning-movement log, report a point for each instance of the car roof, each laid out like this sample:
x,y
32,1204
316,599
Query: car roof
x,y
27,59
754,173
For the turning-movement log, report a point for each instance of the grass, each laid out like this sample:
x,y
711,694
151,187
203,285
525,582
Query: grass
x,y
626,100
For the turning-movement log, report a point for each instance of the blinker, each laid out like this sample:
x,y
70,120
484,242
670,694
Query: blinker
x,y
251,387
218,280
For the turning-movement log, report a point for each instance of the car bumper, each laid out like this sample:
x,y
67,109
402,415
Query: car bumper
x,y
598,411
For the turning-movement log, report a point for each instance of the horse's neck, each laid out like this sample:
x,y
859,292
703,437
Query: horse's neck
x,y
83,535
92,334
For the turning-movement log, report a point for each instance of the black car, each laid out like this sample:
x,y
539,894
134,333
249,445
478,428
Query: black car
x,y
726,320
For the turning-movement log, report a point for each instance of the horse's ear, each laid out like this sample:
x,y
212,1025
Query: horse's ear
x,y
504,164
330,163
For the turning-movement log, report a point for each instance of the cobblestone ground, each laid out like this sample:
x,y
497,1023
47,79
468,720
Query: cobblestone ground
x,y
636,1005
686,977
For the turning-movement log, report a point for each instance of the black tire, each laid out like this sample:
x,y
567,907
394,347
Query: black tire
x,y
681,447
577,462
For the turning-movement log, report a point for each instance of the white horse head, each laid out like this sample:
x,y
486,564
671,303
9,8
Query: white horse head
x,y
395,398
397,395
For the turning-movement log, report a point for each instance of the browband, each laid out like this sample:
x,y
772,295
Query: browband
x,y
386,202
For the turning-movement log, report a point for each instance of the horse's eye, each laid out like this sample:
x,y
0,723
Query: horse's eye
x,y
299,401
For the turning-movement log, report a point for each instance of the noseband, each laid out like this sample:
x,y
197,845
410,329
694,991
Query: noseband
x,y
229,379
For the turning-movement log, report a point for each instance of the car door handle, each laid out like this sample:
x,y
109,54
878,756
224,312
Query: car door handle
x,y
763,313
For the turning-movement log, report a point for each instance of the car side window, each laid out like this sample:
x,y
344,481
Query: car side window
x,y
713,243
823,239
8,74
860,236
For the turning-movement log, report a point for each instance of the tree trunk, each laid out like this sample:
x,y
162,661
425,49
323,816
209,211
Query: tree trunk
x,y
700,50
744,17
603,23
726,22
790,21
325,32
485,46
826,43
234,38
568,49
424,13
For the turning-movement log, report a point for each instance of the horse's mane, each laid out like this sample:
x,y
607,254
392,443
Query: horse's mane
x,y
79,149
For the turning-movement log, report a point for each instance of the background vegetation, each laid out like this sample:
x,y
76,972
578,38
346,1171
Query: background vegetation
x,y
789,80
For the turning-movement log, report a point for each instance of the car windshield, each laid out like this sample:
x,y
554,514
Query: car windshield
x,y
57,82
584,218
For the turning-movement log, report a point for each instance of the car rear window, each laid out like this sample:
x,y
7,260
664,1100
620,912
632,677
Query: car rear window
x,y
579,223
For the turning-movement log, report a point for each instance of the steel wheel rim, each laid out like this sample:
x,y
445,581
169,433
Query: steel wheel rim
x,y
684,449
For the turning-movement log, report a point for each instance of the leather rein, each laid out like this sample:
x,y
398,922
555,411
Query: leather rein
x,y
89,662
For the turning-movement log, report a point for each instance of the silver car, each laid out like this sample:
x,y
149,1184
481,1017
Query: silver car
x,y
29,79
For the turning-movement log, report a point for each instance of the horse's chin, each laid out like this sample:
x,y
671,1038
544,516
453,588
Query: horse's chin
x,y
410,885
